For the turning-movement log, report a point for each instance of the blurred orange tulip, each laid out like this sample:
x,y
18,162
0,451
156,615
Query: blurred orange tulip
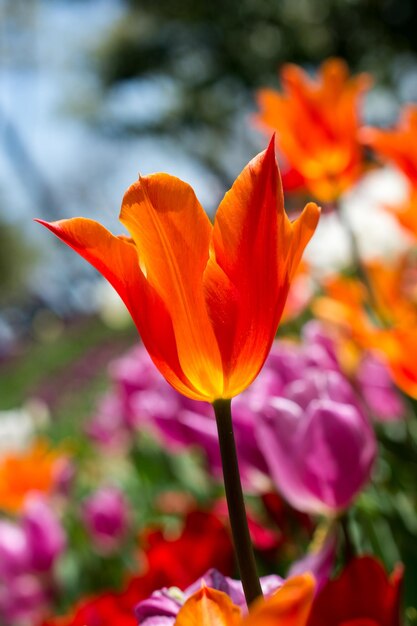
x,y
317,125
22,473
386,322
399,147
289,606
206,299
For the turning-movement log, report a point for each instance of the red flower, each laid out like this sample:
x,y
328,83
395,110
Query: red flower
x,y
363,595
205,542
103,610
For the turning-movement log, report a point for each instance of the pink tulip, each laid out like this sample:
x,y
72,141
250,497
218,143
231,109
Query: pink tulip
x,y
106,516
319,455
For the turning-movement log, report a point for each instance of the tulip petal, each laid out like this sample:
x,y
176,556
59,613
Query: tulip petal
x,y
289,606
116,259
241,280
302,231
172,235
363,591
397,145
208,607
253,253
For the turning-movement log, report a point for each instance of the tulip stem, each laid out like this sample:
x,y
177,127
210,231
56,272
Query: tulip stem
x,y
235,502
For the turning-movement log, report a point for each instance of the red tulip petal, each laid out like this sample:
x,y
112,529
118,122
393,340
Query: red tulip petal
x,y
363,591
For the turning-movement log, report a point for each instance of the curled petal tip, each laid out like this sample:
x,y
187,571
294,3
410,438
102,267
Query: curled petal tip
x,y
311,214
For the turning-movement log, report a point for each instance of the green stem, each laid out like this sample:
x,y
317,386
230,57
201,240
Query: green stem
x,y
235,503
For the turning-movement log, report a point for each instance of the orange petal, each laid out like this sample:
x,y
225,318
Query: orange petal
x,y
243,292
253,254
399,346
172,235
397,145
289,606
302,230
208,607
22,473
116,258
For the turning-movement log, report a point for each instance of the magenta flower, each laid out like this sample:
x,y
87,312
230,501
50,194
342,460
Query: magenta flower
x,y
374,380
44,533
23,600
319,451
14,550
29,549
106,515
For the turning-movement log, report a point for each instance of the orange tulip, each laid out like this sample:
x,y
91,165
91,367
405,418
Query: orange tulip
x,y
22,473
317,125
289,606
399,147
205,298
385,323
406,213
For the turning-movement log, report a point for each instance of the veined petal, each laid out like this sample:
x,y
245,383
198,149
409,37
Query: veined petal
x,y
289,606
172,235
208,607
116,259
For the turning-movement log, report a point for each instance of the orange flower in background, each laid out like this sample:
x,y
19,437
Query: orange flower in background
x,y
289,606
385,323
316,122
22,473
398,146
205,298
